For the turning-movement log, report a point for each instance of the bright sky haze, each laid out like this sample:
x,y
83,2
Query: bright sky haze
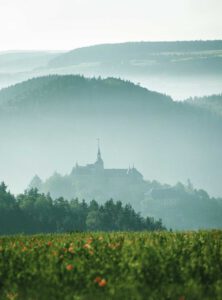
x,y
68,24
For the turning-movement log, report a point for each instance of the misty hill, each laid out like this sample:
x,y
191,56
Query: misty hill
x,y
54,121
181,69
175,58
211,103
182,206
17,66
24,61
62,92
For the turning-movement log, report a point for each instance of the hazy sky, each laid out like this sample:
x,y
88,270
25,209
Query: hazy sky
x,y
67,24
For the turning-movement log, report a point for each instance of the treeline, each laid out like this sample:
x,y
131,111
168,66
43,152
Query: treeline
x,y
182,207
33,212
211,103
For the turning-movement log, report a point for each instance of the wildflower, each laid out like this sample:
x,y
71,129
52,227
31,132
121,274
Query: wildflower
x,y
49,244
87,246
90,240
71,250
69,267
102,283
97,279
12,296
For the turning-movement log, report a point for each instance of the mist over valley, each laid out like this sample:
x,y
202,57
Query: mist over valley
x,y
51,117
179,69
51,123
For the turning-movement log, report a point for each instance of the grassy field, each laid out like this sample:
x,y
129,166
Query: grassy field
x,y
162,265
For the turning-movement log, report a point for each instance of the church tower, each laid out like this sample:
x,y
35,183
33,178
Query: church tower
x,y
99,162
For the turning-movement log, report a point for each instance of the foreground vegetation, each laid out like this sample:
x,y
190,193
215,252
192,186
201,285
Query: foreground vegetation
x,y
160,265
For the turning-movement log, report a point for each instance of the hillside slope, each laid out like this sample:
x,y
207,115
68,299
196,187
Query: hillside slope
x,y
16,66
54,121
23,61
147,57
180,69
53,91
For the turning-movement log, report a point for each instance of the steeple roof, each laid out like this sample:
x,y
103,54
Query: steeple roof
x,y
99,161
99,156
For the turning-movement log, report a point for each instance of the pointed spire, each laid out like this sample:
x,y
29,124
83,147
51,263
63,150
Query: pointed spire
x,y
99,161
99,152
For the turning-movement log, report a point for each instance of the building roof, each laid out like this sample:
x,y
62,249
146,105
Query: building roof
x,y
116,172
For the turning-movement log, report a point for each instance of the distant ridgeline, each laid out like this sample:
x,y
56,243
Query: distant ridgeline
x,y
179,207
93,181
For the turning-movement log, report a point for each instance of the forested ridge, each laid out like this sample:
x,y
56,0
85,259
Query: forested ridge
x,y
55,91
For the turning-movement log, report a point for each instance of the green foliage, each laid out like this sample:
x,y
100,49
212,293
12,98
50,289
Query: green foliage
x,y
183,207
180,207
161,266
33,212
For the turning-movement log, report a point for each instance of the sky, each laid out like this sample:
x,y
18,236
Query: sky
x,y
68,24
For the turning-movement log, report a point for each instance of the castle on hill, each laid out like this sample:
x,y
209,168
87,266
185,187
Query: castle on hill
x,y
93,181
97,171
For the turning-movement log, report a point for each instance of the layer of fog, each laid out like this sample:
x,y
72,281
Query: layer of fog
x,y
58,144
178,88
19,66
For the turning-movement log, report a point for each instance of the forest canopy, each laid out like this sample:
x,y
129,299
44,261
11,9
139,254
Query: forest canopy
x,y
33,212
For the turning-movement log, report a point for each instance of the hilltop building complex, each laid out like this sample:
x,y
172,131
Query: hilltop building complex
x,y
94,181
